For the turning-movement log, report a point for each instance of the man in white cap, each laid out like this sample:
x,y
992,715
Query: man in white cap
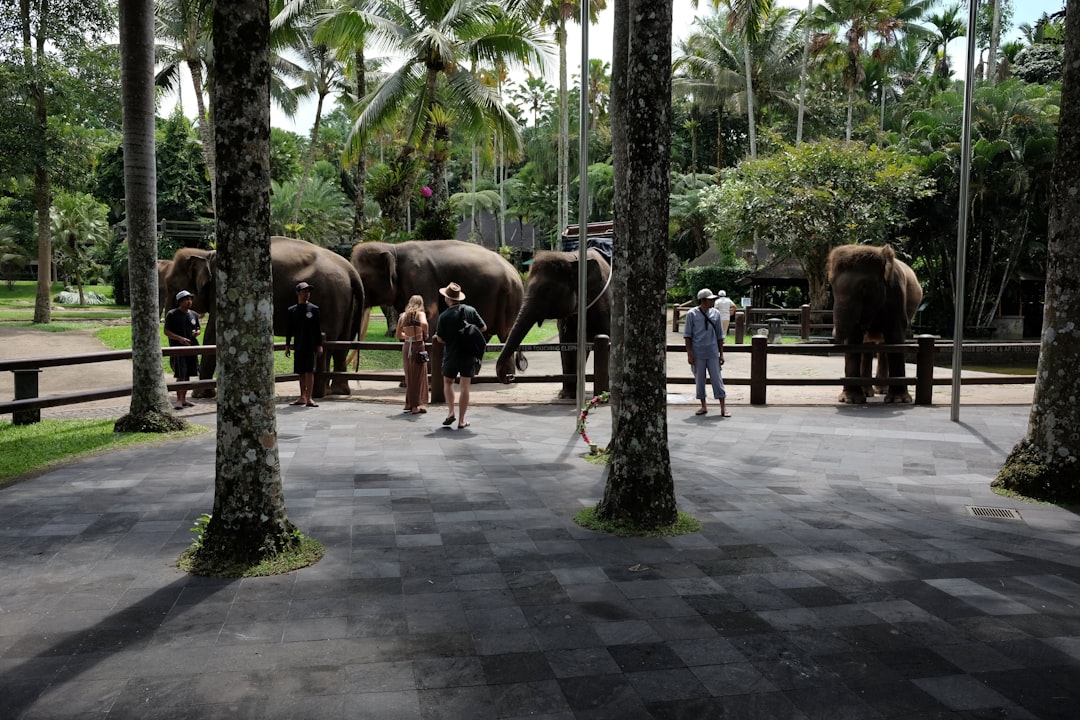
x,y
726,307
182,329
705,349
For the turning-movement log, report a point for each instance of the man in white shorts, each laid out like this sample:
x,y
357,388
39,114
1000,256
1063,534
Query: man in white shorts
x,y
727,310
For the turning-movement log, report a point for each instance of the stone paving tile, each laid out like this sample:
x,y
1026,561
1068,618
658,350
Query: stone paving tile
x,y
837,575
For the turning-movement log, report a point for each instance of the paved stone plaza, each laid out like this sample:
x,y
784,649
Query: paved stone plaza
x,y
838,574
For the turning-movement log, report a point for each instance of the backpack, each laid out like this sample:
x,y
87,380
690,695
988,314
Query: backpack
x,y
473,341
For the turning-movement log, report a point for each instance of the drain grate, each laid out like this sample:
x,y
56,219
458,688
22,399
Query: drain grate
x,y
993,512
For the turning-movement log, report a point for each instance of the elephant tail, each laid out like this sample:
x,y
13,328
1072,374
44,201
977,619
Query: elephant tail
x,y
357,316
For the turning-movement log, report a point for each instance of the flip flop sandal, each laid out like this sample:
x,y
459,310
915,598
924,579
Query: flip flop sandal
x,y
462,426
296,403
449,420
311,404
701,411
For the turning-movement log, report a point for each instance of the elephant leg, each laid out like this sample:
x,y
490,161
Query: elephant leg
x,y
567,336
340,386
866,370
881,377
207,362
853,394
897,393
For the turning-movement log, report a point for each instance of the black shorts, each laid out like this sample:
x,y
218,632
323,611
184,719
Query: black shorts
x,y
303,361
466,370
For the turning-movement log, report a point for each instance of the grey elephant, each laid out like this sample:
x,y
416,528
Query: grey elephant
x,y
392,273
338,291
163,267
551,293
875,295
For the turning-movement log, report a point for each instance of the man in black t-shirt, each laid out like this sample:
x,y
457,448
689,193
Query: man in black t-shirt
x,y
182,328
458,357
304,325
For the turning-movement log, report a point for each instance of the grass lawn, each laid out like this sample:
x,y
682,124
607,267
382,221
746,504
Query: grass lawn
x,y
38,446
17,305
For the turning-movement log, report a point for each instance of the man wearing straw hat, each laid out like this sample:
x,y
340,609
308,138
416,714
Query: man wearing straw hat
x,y
457,356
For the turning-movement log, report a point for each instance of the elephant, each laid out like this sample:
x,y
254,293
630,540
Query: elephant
x,y
163,267
338,291
551,292
392,273
875,295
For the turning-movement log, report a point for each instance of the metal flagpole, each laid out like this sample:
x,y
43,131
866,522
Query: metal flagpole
x,y
583,203
961,222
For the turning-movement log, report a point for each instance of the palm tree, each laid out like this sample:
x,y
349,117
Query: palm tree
x,y
77,221
555,14
711,65
857,19
748,16
149,409
183,30
438,41
320,73
948,26
536,95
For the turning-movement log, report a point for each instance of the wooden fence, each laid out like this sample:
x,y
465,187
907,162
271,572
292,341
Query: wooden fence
x,y
927,351
801,320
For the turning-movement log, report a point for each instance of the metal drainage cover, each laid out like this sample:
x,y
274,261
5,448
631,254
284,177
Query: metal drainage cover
x,y
993,512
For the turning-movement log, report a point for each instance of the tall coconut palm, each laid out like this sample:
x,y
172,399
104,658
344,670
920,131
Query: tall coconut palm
x,y
149,407
711,63
554,14
183,31
438,40
947,26
856,19
746,16
320,73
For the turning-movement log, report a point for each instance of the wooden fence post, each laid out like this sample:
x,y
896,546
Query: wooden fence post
x,y
435,387
924,371
740,327
804,317
601,364
26,387
759,350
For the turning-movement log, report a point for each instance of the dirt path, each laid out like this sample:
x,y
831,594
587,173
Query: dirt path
x,y
19,342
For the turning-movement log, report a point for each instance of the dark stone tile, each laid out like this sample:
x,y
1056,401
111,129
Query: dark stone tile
x,y
672,684
730,624
530,700
581,662
816,596
653,656
858,670
516,668
736,678
899,699
456,703
916,662
600,693
831,702
1038,691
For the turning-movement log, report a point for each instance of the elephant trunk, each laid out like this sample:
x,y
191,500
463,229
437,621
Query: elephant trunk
x,y
504,366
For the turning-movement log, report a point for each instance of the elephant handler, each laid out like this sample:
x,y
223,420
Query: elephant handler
x,y
705,349
304,325
457,355
182,329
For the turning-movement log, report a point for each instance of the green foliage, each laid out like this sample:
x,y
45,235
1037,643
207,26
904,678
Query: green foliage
x,y
683,525
286,154
304,552
325,213
805,200
715,277
26,449
436,223
1039,63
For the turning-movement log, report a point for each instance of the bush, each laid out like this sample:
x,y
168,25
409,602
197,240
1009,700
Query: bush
x,y
714,277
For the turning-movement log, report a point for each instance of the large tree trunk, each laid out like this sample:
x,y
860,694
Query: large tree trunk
x,y
360,172
1046,463
32,58
640,489
249,522
620,48
149,396
206,127
564,132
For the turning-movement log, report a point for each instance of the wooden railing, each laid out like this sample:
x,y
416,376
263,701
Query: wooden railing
x,y
748,320
926,349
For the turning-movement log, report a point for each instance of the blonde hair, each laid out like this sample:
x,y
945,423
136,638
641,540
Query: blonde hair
x,y
414,308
